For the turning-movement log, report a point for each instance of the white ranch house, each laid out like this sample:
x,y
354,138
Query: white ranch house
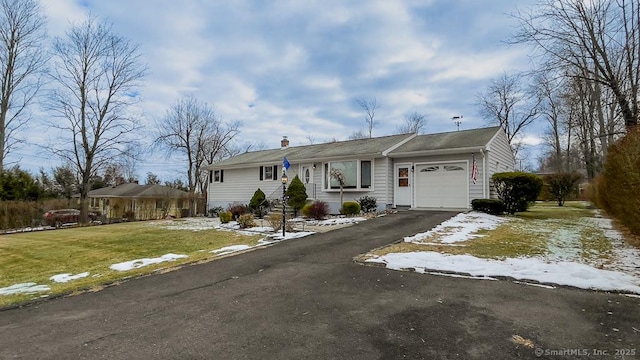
x,y
432,171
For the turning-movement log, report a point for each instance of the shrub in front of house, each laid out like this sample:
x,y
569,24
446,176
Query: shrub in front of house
x,y
317,210
246,221
350,208
226,216
561,186
518,190
129,215
215,211
489,206
619,187
368,204
258,202
297,195
275,221
237,209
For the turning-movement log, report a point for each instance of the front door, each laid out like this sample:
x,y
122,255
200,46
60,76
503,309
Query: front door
x,y
402,180
306,175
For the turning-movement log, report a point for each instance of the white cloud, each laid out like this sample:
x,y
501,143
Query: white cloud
x,y
295,68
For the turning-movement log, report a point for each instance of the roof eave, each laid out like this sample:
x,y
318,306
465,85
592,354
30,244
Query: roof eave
x,y
438,151
293,161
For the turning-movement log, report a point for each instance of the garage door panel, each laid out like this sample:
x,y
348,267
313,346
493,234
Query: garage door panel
x,y
442,185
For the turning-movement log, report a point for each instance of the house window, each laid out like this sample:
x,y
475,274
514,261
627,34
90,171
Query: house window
x,y
430,169
269,172
159,204
217,175
180,203
453,168
357,174
403,177
95,202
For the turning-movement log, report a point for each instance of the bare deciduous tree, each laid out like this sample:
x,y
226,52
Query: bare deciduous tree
x,y
507,103
357,135
192,129
369,107
549,89
22,33
96,74
601,38
414,123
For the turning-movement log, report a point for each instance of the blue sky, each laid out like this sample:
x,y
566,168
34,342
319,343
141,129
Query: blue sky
x,y
296,68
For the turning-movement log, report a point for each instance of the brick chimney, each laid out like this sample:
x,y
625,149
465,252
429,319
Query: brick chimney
x,y
284,143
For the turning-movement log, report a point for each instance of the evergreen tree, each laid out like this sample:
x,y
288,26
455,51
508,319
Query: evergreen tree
x,y
297,195
258,202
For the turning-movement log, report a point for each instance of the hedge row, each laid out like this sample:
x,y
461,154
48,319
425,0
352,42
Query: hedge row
x,y
617,190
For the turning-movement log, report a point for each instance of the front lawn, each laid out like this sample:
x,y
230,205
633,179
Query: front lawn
x,y
37,256
546,230
573,239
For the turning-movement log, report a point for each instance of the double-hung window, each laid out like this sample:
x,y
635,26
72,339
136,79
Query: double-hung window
x,y
356,174
269,172
216,176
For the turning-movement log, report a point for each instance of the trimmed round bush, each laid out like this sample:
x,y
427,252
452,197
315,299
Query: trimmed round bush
x,y
350,208
489,206
368,203
246,221
226,216
518,190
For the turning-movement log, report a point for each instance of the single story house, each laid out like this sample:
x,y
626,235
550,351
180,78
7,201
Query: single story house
x,y
141,202
432,171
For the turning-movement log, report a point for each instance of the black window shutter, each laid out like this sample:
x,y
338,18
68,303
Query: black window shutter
x,y
221,175
210,176
261,173
275,172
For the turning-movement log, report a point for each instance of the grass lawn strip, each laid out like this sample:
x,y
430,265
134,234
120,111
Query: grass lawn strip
x,y
34,258
546,234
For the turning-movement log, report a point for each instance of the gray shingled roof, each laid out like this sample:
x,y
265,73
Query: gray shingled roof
x,y
373,146
364,147
448,140
133,190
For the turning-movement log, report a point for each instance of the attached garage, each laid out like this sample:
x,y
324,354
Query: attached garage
x,y
442,185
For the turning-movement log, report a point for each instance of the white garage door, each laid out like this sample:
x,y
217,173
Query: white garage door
x,y
442,185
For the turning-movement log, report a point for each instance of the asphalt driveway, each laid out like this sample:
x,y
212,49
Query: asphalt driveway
x,y
307,299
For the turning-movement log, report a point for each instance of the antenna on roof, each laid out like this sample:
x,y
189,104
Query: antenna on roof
x,y
457,120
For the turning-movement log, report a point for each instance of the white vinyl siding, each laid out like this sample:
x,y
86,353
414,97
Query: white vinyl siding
x,y
499,158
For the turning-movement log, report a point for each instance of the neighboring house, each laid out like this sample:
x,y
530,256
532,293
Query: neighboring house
x,y
144,202
417,171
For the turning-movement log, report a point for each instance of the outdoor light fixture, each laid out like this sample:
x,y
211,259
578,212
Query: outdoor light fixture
x,y
285,179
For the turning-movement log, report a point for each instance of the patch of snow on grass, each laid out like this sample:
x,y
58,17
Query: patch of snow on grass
x,y
63,278
561,273
231,249
461,227
191,224
291,235
626,258
135,264
24,288
259,229
340,221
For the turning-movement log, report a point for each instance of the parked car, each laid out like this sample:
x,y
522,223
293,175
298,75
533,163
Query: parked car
x,y
60,217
